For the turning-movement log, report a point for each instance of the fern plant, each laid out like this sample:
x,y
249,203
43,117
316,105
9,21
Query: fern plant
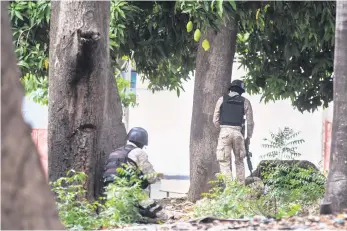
x,y
283,144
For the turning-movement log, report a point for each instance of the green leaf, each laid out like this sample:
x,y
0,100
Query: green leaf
x,y
220,8
18,15
233,4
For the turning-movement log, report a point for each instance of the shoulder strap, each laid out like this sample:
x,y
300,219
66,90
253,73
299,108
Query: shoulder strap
x,y
129,149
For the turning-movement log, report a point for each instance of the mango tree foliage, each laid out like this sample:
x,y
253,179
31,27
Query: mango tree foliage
x,y
287,47
163,49
288,50
30,26
158,43
153,34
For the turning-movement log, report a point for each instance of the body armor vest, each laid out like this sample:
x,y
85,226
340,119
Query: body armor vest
x,y
115,160
232,110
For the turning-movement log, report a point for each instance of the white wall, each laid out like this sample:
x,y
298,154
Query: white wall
x,y
35,114
167,119
328,112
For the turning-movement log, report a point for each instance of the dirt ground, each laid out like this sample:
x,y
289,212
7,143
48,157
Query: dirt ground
x,y
180,212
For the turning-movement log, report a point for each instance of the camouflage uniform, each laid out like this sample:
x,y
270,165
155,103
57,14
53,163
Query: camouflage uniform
x,y
231,138
140,157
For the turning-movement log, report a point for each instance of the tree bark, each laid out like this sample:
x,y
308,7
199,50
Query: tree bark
x,y
336,189
85,112
27,202
212,77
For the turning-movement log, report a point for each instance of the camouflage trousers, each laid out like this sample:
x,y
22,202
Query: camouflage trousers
x,y
231,139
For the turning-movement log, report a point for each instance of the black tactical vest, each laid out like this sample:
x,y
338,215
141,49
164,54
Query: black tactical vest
x,y
232,110
115,160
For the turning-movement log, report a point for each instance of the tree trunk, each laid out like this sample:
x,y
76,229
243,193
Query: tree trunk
x,y
336,190
84,110
212,77
27,202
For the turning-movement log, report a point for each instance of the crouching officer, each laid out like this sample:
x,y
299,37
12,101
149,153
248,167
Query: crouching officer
x,y
229,117
133,154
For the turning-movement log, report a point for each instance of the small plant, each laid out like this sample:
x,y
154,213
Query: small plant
x,y
283,144
225,202
118,206
75,211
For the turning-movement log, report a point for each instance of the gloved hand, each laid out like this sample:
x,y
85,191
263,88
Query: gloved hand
x,y
160,175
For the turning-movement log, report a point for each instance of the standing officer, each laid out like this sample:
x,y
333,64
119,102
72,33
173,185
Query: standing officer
x,y
229,117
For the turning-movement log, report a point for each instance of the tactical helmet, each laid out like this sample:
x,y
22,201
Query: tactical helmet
x,y
138,135
239,84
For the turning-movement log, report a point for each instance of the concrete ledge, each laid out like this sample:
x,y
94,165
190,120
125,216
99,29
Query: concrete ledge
x,y
174,186
176,177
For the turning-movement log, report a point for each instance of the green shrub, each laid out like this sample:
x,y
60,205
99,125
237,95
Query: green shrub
x,y
226,199
122,198
294,184
294,179
233,200
117,207
290,189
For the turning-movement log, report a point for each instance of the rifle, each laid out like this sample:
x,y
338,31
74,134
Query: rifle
x,y
248,153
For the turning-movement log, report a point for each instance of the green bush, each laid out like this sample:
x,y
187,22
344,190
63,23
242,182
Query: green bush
x,y
117,207
75,211
283,179
290,190
294,184
229,199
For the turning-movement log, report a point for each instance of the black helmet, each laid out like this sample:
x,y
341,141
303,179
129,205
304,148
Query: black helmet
x,y
237,83
138,136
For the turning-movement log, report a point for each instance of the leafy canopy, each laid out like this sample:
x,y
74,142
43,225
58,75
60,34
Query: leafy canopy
x,y
288,50
287,47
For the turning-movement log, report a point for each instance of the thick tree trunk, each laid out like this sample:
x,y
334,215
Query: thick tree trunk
x,y
213,74
85,112
336,190
26,201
